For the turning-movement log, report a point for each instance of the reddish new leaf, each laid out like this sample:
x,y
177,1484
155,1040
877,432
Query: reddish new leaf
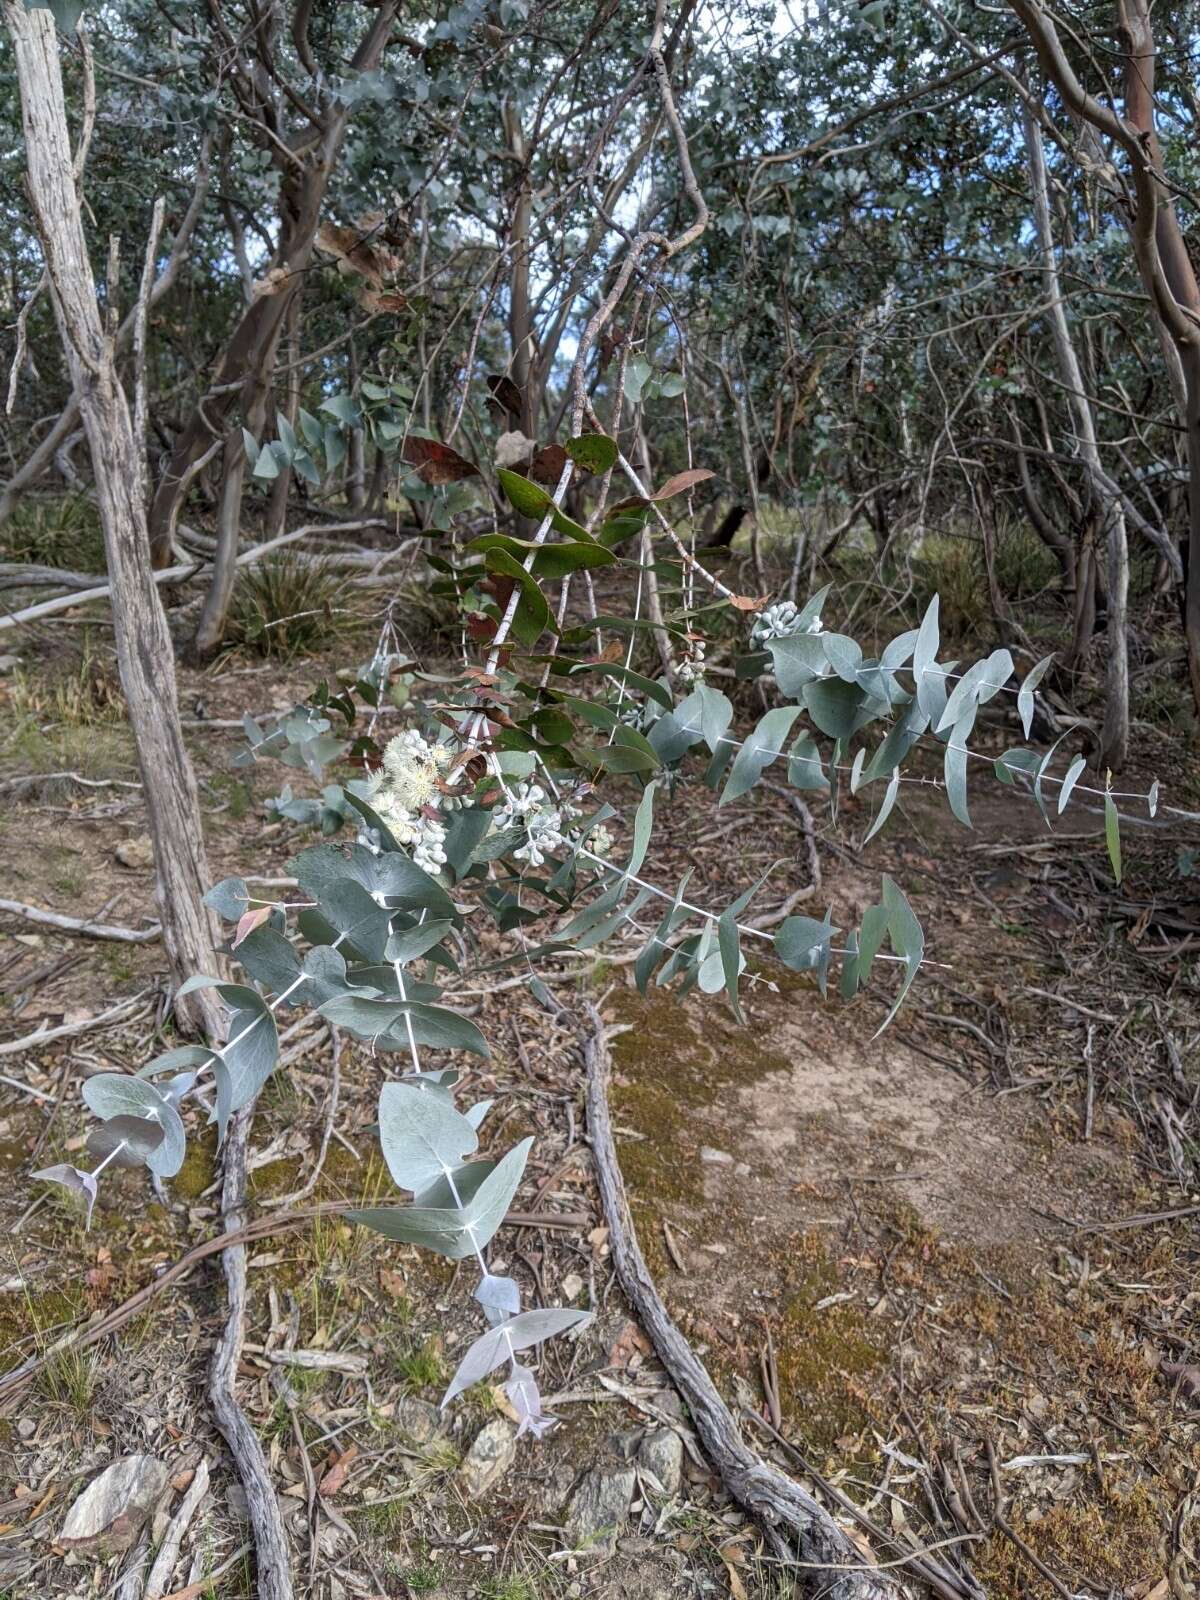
x,y
437,463
248,921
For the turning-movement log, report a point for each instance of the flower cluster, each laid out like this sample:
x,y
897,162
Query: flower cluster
x,y
527,806
780,622
691,667
405,793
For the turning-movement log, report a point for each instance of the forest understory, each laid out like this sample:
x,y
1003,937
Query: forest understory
x,y
599,800
947,1272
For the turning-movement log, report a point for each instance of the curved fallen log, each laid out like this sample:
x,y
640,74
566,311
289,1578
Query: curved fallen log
x,y
102,589
273,1560
786,1511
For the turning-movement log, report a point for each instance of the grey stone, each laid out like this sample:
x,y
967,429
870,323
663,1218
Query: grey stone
x,y
111,1510
715,1158
418,1420
661,1453
136,854
489,1458
599,1508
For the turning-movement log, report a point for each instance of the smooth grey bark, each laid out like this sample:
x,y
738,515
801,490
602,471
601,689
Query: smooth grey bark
x,y
144,652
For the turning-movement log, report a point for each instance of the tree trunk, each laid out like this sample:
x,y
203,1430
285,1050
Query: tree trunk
x,y
250,352
144,653
520,314
1114,741
1040,519
1155,234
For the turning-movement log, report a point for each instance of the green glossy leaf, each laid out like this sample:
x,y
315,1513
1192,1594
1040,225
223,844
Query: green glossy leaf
x,y
594,452
532,501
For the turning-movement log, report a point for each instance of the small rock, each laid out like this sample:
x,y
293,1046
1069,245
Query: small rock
x,y
418,1420
136,854
571,1287
598,1509
489,1458
513,448
715,1158
26,1428
742,1169
8,663
113,1507
661,1453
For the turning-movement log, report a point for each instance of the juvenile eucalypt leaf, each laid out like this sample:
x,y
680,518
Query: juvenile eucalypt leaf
x,y
76,1182
907,937
518,1333
125,1141
525,1398
134,1102
229,898
453,1231
1025,702
66,12
499,1297
423,1136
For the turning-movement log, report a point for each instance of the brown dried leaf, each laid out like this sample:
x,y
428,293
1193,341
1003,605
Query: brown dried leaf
x,y
682,482
356,254
437,463
505,392
736,1587
745,602
271,282
383,300
547,465
629,1344
248,921
335,1478
1187,1377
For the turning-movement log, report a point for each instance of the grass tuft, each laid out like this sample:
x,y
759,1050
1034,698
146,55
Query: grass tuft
x,y
287,606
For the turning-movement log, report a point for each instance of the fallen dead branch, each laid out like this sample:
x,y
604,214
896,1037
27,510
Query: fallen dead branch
x,y
272,1561
787,1512
168,1550
68,1030
177,574
90,930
